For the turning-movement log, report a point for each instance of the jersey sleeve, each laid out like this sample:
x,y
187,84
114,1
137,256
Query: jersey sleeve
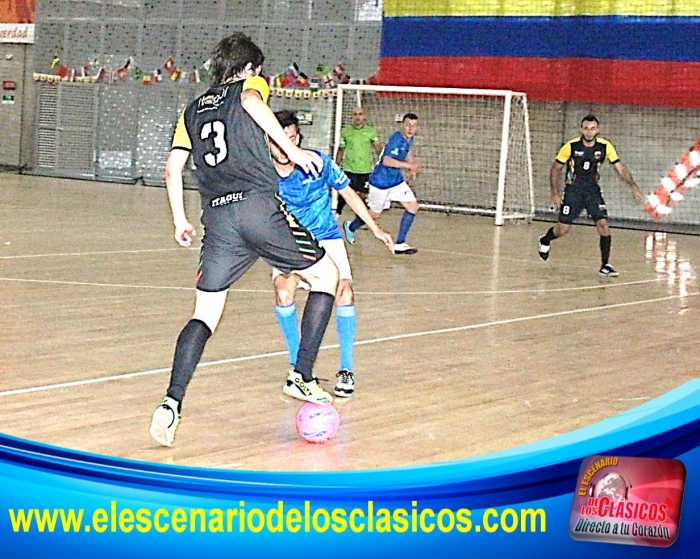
x,y
336,176
564,153
374,139
612,154
341,143
258,84
392,146
181,138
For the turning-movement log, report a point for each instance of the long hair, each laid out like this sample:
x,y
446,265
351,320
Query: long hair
x,y
232,54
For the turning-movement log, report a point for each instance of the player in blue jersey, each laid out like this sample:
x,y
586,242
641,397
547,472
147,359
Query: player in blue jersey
x,y
387,184
307,198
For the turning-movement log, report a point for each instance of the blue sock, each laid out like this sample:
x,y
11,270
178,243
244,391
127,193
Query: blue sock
x,y
406,222
287,318
356,224
346,325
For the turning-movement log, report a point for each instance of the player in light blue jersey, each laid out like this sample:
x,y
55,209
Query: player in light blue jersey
x,y
307,197
387,184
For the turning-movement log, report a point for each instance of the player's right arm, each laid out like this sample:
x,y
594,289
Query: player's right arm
x,y
174,167
555,171
358,206
253,100
409,163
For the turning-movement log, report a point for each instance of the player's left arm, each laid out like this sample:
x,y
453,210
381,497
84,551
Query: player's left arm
x,y
626,176
253,101
358,206
622,171
415,166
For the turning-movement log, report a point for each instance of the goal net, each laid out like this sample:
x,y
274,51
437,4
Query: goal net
x,y
473,145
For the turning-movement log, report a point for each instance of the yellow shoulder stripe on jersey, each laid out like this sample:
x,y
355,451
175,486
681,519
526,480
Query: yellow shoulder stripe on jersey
x,y
258,84
612,155
565,152
181,138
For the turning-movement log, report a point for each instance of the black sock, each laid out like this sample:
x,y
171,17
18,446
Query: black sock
x,y
314,322
341,204
605,243
356,224
188,352
548,237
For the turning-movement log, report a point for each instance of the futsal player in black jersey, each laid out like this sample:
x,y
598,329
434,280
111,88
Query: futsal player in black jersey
x,y
225,132
583,157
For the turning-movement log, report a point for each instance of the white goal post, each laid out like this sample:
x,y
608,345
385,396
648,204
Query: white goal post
x,y
473,144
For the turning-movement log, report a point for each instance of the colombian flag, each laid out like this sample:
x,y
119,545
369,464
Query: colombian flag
x,y
642,52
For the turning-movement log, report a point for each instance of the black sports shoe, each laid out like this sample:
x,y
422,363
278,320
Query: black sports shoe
x,y
608,271
543,250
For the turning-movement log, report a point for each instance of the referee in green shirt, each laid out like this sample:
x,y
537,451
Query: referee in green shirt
x,y
355,153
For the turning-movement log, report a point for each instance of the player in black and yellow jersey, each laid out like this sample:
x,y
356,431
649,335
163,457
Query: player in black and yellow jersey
x,y
225,131
582,158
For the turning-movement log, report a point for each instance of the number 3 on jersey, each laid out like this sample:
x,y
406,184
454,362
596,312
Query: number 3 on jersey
x,y
215,131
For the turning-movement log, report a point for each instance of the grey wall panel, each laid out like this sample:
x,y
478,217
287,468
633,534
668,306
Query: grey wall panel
x,y
362,59
328,44
197,44
47,10
49,42
282,45
84,44
243,11
199,11
332,11
159,42
123,9
170,10
121,41
80,9
116,134
12,58
287,10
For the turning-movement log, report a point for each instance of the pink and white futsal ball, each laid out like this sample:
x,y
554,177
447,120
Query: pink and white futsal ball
x,y
317,423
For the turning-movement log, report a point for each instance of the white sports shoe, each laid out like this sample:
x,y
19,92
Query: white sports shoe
x,y
165,421
310,391
404,248
345,383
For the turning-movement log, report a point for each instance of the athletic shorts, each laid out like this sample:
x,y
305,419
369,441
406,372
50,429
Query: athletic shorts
x,y
335,248
578,199
359,182
381,198
236,234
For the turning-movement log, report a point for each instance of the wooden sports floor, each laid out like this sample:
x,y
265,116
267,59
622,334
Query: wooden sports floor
x,y
471,346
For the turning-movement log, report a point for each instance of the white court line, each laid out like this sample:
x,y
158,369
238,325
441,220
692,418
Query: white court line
x,y
51,255
364,342
382,293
